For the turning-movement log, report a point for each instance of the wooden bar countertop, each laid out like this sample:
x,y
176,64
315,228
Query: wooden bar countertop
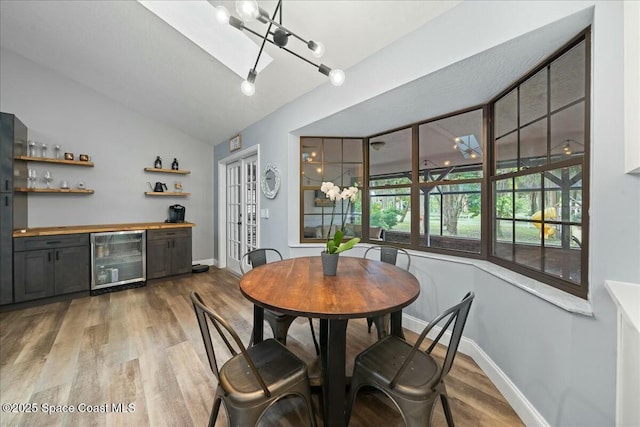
x,y
77,229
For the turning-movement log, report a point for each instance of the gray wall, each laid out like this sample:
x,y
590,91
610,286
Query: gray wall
x,y
120,142
563,363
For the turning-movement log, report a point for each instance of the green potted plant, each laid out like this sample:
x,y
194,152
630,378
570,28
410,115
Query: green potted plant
x,y
335,245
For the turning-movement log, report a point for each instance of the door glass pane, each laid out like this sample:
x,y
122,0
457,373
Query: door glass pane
x,y
533,98
568,77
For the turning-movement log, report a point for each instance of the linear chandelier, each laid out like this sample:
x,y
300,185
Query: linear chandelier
x,y
249,11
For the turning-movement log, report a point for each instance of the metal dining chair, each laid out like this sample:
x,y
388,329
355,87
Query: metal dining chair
x,y
253,379
388,254
411,378
279,322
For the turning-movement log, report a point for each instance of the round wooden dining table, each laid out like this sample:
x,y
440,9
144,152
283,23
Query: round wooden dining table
x,y
361,288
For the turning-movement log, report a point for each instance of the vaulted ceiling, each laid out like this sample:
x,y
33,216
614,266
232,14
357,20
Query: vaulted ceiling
x,y
123,51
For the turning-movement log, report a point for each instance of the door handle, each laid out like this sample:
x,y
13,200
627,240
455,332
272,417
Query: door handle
x,y
49,256
57,255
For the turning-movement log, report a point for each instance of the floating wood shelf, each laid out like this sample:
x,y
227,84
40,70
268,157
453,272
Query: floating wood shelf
x,y
166,193
54,190
58,161
179,171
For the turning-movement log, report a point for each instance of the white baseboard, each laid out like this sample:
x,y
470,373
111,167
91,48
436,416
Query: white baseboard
x,y
525,410
208,262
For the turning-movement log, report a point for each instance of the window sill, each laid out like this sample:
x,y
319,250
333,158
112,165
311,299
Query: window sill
x,y
563,300
568,302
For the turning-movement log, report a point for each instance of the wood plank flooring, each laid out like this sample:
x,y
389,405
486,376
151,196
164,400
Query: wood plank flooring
x,y
135,358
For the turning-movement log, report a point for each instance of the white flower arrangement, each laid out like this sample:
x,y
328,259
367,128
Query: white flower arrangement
x,y
333,193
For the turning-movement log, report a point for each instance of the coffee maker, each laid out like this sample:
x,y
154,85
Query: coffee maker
x,y
176,213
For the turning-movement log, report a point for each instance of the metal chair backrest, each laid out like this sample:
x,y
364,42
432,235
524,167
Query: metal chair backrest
x,y
257,257
458,315
389,254
228,335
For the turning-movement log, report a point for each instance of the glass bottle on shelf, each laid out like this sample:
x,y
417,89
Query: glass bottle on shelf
x,y
102,276
32,148
174,165
158,163
57,152
44,150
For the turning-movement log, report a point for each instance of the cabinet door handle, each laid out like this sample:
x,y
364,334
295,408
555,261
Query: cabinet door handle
x,y
173,244
49,256
169,243
53,242
6,201
57,255
6,185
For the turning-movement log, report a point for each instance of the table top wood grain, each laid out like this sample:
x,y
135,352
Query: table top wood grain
x,y
361,288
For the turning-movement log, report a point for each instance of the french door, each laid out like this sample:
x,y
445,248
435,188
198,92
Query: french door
x,y
242,209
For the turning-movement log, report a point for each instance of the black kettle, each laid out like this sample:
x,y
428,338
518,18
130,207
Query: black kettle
x,y
159,187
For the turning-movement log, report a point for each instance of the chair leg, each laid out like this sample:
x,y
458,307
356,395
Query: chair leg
x,y
447,409
353,393
416,413
307,398
313,335
214,411
369,323
280,328
380,327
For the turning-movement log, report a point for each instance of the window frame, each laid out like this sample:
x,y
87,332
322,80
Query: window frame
x,y
489,176
582,289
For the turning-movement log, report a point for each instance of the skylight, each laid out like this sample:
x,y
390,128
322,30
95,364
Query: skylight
x,y
196,21
468,146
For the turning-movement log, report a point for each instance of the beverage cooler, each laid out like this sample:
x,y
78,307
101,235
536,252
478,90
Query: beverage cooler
x,y
117,258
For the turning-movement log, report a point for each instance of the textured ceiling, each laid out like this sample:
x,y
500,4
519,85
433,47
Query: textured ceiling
x,y
123,51
471,82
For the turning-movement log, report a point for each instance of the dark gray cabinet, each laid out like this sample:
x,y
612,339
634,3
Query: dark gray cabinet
x,y
168,252
13,206
48,266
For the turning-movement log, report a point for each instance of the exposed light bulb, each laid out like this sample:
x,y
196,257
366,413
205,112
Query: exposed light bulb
x,y
317,48
447,162
336,77
247,88
222,15
247,9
